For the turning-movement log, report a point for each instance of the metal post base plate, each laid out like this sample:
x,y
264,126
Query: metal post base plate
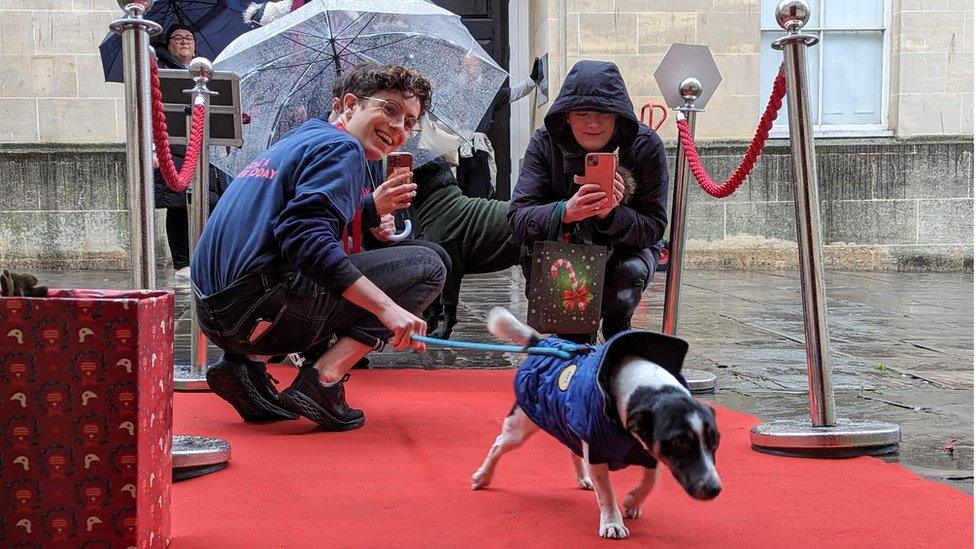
x,y
194,456
699,381
185,379
849,438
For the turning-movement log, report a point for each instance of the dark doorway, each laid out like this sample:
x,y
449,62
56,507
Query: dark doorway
x,y
488,22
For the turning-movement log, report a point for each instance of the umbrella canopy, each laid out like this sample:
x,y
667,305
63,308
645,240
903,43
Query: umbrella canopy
x,y
287,68
215,23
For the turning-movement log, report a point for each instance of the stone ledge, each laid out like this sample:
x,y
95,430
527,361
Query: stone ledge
x,y
746,252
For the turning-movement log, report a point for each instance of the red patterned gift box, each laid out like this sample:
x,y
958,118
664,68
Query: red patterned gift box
x,y
86,399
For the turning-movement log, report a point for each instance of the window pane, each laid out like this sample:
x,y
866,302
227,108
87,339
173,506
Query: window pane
x,y
768,14
770,60
853,14
852,77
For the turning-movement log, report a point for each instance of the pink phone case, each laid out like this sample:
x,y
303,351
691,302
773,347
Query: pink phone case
x,y
600,169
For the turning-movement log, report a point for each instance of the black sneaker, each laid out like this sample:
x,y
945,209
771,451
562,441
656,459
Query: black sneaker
x,y
325,405
248,387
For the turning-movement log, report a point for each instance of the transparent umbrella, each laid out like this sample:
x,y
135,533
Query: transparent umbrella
x,y
287,68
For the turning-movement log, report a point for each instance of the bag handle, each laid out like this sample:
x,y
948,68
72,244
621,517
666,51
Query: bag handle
x,y
556,222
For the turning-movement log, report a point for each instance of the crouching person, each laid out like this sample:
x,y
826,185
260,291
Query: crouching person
x,y
270,273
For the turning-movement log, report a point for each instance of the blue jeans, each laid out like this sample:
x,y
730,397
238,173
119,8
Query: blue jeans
x,y
281,313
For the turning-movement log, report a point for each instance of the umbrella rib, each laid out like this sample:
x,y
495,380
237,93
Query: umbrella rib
x,y
332,42
372,15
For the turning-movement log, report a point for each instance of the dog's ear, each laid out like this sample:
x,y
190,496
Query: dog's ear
x,y
641,422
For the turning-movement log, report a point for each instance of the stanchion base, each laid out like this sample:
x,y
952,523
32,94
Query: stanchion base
x,y
849,438
186,473
186,380
194,456
699,381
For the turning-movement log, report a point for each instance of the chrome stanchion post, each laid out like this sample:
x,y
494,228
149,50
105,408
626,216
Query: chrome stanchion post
x,y
824,434
135,31
690,90
192,455
192,376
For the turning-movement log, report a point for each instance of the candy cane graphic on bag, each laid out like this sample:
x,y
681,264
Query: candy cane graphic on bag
x,y
579,295
554,271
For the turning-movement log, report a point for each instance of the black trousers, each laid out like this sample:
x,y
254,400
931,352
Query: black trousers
x,y
178,236
474,176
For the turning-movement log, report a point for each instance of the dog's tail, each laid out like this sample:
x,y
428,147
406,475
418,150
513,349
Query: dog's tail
x,y
503,324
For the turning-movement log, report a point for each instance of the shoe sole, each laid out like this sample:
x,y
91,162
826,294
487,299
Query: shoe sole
x,y
244,396
306,407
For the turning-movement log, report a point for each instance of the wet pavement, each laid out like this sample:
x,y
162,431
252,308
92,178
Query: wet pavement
x,y
901,347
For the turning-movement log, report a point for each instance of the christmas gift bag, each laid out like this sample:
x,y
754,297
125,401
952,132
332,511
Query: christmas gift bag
x,y
566,283
86,419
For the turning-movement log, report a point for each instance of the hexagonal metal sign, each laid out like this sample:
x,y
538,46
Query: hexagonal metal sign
x,y
684,61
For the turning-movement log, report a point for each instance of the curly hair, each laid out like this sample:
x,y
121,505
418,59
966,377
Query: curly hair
x,y
369,78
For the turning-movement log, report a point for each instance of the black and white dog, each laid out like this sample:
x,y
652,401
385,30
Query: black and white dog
x,y
618,404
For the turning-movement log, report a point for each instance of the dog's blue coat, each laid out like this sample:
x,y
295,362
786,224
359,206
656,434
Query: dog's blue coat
x,y
579,409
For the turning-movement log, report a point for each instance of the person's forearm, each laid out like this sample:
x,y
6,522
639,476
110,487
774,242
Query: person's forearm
x,y
367,295
520,90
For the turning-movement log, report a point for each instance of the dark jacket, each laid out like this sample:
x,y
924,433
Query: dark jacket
x,y
571,399
553,157
164,197
286,212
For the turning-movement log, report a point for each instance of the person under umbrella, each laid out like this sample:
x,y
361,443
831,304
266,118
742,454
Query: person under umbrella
x,y
214,24
176,52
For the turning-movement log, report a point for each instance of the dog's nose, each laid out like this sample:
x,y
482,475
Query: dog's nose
x,y
712,490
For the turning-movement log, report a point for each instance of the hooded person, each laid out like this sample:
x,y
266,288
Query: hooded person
x,y
593,113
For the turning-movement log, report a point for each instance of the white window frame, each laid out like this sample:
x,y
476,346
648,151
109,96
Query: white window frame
x,y
843,130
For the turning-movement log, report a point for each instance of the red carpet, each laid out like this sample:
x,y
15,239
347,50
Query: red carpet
x,y
402,481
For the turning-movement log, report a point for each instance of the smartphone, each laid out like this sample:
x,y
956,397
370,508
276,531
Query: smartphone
x,y
398,162
600,169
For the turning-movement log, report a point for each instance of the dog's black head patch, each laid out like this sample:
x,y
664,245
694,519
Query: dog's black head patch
x,y
681,432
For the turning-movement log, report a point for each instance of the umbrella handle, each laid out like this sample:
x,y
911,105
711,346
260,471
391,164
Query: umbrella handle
x,y
404,234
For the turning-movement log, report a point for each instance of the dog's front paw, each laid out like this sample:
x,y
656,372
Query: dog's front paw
x,y
584,483
632,512
613,530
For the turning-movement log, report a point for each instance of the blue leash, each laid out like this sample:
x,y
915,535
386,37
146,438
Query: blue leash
x,y
564,352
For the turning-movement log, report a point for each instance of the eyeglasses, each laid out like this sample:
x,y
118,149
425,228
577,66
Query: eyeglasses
x,y
182,38
394,113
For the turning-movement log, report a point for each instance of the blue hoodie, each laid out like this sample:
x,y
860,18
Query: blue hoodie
x,y
286,211
570,399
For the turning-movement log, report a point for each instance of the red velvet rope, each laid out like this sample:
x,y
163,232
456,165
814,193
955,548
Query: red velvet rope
x,y
176,181
751,156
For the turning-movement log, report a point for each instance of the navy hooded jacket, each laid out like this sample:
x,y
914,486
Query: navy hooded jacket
x,y
570,399
286,211
553,157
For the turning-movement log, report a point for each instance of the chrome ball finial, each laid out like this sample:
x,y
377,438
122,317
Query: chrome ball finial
x,y
792,15
135,7
201,69
690,89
